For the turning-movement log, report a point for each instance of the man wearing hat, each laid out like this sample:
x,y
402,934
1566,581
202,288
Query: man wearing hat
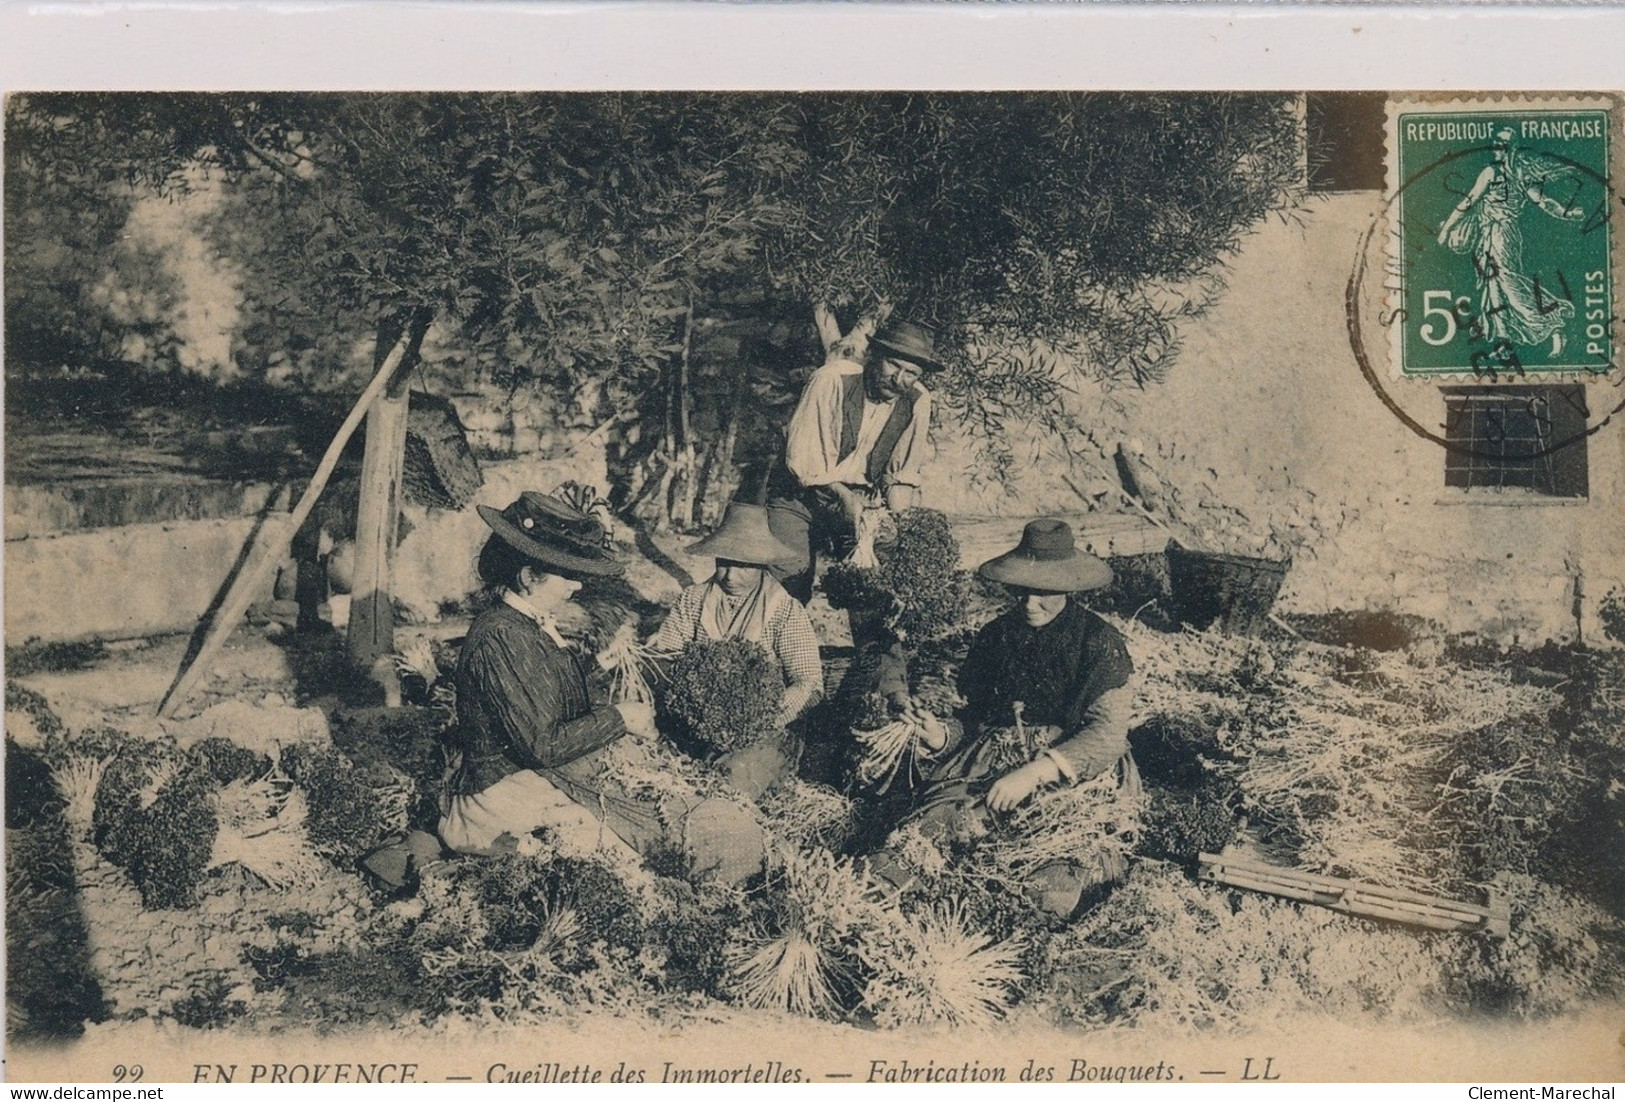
x,y
528,727
742,600
858,437
1051,670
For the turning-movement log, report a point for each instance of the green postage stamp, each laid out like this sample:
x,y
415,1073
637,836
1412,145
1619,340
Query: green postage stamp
x,y
1501,236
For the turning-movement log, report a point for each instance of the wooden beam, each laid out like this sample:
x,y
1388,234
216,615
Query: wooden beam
x,y
272,542
829,330
371,631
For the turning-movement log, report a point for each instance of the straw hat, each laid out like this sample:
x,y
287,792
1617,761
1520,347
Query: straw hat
x,y
554,533
909,340
1047,560
745,537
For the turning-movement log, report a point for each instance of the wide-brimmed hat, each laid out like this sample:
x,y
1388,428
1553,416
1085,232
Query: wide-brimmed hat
x,y
909,340
1047,560
744,536
554,533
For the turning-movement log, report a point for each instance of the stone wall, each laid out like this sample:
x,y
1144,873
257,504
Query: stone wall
x,y
118,583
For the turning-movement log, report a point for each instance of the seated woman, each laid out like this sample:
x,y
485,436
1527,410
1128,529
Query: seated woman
x,y
527,726
1050,669
742,600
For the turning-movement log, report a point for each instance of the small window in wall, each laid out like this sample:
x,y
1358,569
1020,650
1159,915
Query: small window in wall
x,y
1343,132
1529,438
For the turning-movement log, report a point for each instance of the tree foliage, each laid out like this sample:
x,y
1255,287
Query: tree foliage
x,y
572,243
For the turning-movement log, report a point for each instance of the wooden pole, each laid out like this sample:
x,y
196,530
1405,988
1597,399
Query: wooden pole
x,y
273,543
371,632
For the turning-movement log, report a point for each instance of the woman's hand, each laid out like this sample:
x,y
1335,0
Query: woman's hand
x,y
1012,790
625,634
934,735
851,502
639,718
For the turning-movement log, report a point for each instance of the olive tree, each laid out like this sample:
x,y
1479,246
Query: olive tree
x,y
573,242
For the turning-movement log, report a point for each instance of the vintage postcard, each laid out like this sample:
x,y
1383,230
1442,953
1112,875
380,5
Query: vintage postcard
x,y
604,586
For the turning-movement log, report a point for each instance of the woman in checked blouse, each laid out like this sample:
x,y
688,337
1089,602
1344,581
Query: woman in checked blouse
x,y
742,600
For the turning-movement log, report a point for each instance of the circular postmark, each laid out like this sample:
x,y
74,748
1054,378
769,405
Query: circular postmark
x,y
1471,197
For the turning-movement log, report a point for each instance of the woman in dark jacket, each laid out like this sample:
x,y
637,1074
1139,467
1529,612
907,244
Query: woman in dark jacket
x,y
1047,668
1047,703
528,727
524,710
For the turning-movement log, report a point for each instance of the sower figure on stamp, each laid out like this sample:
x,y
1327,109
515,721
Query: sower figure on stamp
x,y
857,440
742,600
1484,225
1048,703
524,750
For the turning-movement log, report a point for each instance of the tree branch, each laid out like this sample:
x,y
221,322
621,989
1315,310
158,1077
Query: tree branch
x,y
829,329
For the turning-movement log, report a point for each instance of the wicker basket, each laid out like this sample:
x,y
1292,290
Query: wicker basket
x,y
1235,591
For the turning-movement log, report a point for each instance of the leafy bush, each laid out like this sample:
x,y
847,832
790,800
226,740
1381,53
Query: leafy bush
x,y
209,1004
918,586
723,695
1611,611
693,932
378,981
225,761
31,792
22,699
404,739
1379,630
522,898
37,657
177,842
517,935
1587,833
1177,751
1141,589
1177,954
1191,795
1560,953
1180,826
77,763
359,985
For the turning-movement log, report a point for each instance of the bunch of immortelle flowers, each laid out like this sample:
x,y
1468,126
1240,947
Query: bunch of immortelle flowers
x,y
722,695
910,592
891,747
915,581
635,669
827,941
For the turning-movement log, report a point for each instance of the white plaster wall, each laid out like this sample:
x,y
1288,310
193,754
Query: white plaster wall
x,y
434,563
1267,406
119,583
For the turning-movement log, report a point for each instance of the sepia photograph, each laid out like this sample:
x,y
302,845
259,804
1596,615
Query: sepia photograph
x,y
829,586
